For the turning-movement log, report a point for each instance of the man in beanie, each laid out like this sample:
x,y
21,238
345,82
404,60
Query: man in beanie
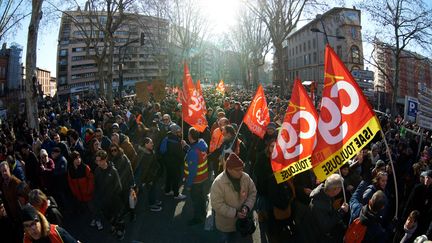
x,y
233,195
172,158
37,228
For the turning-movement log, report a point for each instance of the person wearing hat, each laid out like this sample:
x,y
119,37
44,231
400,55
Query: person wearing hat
x,y
31,168
421,199
232,196
38,229
172,158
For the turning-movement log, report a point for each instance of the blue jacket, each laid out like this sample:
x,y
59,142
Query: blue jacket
x,y
192,160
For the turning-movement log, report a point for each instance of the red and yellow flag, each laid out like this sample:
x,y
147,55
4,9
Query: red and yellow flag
x,y
257,116
293,149
221,87
192,107
347,122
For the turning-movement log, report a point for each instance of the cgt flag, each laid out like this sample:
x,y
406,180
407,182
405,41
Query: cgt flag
x,y
293,149
257,116
192,107
346,124
221,87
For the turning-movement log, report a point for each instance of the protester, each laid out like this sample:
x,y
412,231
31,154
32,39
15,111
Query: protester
x,y
233,195
196,174
46,206
38,229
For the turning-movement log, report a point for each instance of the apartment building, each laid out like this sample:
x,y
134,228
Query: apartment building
x,y
140,51
305,48
414,69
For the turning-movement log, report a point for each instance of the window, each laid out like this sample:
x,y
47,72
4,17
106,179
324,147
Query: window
x,y
77,49
355,54
63,52
354,33
314,57
309,45
309,59
314,43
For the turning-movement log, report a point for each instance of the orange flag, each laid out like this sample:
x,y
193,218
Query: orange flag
x,y
221,87
201,96
192,109
257,116
347,122
293,149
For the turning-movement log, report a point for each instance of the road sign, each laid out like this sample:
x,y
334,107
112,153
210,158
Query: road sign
x,y
424,116
363,74
411,108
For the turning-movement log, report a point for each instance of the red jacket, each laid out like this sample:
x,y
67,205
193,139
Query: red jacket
x,y
81,182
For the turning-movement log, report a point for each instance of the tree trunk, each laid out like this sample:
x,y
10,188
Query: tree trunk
x,y
280,77
31,79
101,75
395,93
110,73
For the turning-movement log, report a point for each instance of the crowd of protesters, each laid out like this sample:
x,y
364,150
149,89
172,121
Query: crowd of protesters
x,y
96,159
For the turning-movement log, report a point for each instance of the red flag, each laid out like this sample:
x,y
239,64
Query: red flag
x,y
221,87
346,124
292,152
193,111
201,96
257,116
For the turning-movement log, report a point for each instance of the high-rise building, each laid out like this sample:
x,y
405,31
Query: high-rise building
x,y
140,51
414,69
305,48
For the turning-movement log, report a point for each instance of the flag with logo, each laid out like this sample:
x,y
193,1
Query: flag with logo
x,y
346,123
257,116
294,145
192,107
221,87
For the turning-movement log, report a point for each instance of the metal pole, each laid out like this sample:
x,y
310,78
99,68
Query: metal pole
x,y
393,172
343,188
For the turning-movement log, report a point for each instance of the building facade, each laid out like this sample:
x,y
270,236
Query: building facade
x,y
44,81
10,69
305,49
414,69
140,51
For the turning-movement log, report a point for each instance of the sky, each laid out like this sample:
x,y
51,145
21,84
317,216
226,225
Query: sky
x,y
221,13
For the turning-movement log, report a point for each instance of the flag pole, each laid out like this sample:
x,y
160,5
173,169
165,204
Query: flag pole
x,y
393,172
235,138
343,187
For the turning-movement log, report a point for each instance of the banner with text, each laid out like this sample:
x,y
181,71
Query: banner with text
x,y
346,123
293,149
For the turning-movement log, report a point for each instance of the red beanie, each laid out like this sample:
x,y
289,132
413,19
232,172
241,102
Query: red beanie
x,y
234,161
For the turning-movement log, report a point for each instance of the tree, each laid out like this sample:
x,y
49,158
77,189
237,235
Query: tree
x,y
31,79
280,18
250,39
402,24
13,11
98,23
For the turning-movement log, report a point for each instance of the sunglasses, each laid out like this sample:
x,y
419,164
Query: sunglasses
x,y
30,225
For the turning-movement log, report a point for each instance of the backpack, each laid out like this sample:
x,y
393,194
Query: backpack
x,y
356,232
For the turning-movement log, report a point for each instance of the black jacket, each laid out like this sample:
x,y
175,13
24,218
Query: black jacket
x,y
124,168
107,186
374,231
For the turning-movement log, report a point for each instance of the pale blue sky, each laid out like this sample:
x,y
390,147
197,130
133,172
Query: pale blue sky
x,y
220,12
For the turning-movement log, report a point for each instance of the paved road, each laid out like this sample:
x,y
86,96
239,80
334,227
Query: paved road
x,y
169,225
